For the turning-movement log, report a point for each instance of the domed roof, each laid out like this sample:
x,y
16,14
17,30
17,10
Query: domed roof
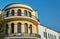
x,y
17,5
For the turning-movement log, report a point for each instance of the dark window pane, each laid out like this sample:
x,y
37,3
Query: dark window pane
x,y
45,34
55,37
30,27
25,13
6,29
7,14
12,12
59,37
30,15
19,12
19,27
12,27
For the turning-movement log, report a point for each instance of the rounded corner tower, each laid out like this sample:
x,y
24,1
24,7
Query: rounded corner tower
x,y
21,21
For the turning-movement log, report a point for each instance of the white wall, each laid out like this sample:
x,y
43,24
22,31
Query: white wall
x,y
49,31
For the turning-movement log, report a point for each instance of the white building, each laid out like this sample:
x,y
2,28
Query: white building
x,y
47,33
59,35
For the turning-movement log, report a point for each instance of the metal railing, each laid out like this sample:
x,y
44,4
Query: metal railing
x,y
23,35
22,14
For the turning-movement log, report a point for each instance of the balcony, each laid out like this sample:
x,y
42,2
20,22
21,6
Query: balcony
x,y
21,36
22,15
24,35
31,18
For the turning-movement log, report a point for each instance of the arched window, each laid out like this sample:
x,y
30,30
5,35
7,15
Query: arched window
x,y
30,27
19,27
12,12
7,14
26,27
6,32
19,12
30,15
25,13
12,27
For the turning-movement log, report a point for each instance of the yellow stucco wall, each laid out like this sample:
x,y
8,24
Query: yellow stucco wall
x,y
22,27
22,19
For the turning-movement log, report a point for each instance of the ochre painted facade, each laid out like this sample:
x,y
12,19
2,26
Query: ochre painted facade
x,y
25,15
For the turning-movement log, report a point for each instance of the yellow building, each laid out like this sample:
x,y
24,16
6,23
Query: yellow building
x,y
21,21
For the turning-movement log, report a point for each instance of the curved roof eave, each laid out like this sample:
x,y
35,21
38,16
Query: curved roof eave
x,y
15,3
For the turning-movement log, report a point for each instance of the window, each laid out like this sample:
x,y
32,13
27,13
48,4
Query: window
x,y
45,34
6,29
30,15
51,36
12,12
12,27
19,12
55,37
30,27
19,27
7,14
26,27
48,35
25,13
59,37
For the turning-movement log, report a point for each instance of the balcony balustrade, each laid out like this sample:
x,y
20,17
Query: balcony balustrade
x,y
22,15
22,35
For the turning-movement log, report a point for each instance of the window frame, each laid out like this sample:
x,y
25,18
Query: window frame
x,y
12,12
19,28
19,12
12,27
7,14
26,27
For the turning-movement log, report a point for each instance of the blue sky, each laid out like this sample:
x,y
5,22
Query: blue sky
x,y
48,11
